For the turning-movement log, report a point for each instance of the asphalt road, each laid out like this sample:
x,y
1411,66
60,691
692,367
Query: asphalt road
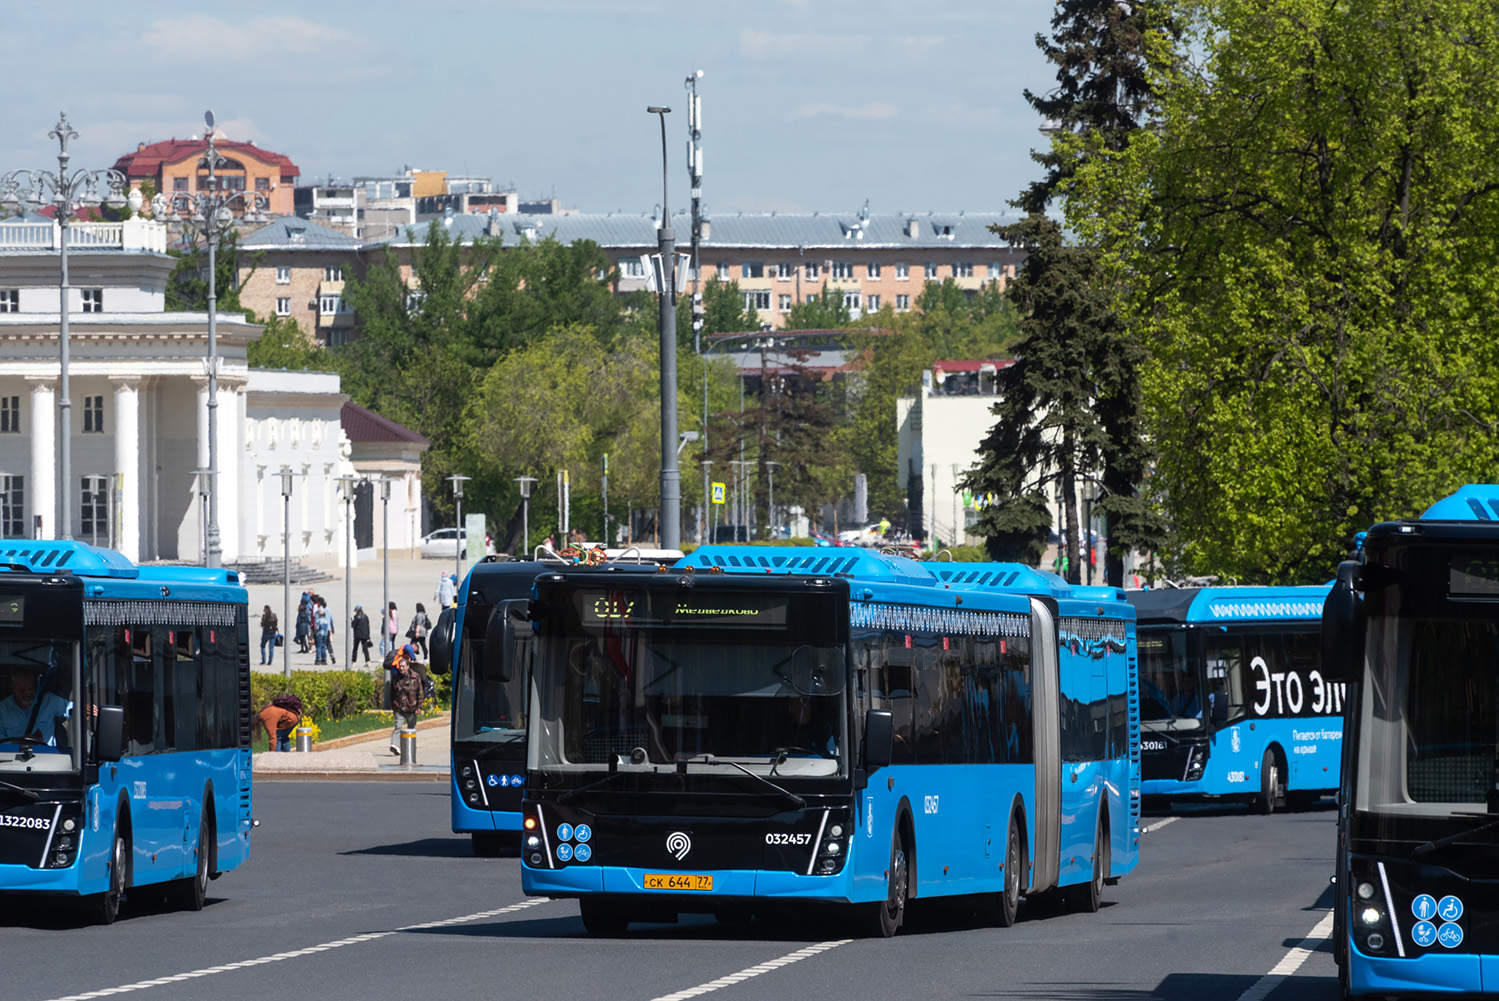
x,y
342,872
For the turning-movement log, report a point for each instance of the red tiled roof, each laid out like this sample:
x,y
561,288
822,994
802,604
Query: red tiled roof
x,y
971,366
148,160
363,425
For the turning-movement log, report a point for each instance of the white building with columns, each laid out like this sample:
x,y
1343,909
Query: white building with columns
x,y
139,413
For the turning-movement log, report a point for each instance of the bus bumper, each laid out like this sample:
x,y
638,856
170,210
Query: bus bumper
x,y
736,884
24,879
1429,973
467,820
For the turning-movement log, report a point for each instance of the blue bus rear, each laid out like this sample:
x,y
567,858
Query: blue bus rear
x,y
761,727
1233,701
124,725
1413,627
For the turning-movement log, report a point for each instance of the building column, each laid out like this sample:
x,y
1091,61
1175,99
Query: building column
x,y
231,455
196,484
41,486
128,464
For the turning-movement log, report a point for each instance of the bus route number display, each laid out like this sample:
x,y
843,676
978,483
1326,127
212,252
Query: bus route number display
x,y
1473,578
12,610
637,609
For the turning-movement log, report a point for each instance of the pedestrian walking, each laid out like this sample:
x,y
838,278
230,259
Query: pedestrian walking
x,y
392,627
267,636
360,631
407,691
417,631
447,591
304,623
323,636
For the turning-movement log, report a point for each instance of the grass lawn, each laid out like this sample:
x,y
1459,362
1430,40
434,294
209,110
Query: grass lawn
x,y
370,721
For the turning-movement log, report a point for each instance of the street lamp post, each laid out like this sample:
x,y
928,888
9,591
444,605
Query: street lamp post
x,y
346,487
458,482
385,550
671,486
212,214
525,513
770,504
286,620
705,536
23,188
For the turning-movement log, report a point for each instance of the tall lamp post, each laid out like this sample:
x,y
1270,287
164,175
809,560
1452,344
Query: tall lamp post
x,y
671,485
458,482
346,487
286,620
384,482
770,502
212,214
525,513
23,188
705,536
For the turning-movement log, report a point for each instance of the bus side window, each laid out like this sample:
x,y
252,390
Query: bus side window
x,y
140,688
900,696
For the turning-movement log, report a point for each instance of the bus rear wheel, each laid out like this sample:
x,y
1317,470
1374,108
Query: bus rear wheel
x,y
190,894
107,904
602,917
1089,896
1272,786
1007,900
886,916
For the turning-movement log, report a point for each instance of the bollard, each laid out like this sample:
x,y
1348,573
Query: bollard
x,y
408,747
304,738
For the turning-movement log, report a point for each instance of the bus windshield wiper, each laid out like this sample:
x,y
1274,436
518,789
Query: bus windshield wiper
x,y
1421,851
18,790
708,759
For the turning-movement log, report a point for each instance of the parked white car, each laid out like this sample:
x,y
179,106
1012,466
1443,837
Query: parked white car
x,y
443,544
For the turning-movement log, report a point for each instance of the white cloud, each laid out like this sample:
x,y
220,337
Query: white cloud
x,y
771,43
923,43
874,109
213,39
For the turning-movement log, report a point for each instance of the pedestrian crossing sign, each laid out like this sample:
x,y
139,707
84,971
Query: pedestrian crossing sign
x,y
718,493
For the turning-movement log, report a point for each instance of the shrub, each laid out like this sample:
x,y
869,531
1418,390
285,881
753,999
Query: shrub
x,y
324,694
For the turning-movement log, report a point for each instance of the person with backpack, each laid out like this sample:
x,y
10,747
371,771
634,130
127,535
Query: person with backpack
x,y
408,689
267,636
418,628
360,631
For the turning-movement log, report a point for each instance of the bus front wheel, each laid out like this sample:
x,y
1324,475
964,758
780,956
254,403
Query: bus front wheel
x,y
107,904
1089,896
1008,903
887,915
489,844
189,894
1272,786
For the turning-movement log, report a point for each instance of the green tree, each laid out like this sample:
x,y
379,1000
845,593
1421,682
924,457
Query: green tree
x,y
825,311
1307,238
284,345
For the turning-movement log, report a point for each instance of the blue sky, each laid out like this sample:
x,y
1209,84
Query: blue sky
x,y
808,105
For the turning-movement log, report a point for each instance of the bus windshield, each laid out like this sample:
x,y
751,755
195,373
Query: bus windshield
x,y
1168,680
37,727
487,710
1428,713
653,677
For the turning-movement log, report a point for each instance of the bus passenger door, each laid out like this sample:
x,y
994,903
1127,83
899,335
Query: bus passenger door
x,y
1046,727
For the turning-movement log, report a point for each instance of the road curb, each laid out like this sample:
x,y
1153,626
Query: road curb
x,y
356,738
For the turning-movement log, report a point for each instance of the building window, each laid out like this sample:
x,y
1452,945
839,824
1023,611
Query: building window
x,y
10,414
903,303
722,271
94,508
784,302
931,270
842,271
13,506
812,272
333,273
179,184
872,303
902,272
873,271
757,299
283,274
785,272
93,414
262,184
996,271
754,269
962,269
850,300
632,267
329,304
93,300
283,306
10,300
811,297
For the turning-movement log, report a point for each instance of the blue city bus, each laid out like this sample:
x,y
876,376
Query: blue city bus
x,y
1413,626
1233,702
756,727
490,664
124,726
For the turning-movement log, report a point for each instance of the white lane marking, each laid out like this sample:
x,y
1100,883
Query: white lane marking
x,y
1290,963
1160,824
295,953
754,971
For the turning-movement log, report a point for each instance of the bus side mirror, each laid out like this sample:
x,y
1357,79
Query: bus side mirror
x,y
879,738
506,638
440,643
1340,639
109,733
1219,708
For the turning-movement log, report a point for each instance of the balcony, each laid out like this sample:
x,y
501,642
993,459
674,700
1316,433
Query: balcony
x,y
38,236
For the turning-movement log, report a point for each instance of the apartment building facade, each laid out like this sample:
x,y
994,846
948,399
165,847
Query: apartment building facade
x,y
173,167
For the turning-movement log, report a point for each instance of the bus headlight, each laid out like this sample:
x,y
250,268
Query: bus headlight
x,y
1365,891
1371,916
1375,941
1197,762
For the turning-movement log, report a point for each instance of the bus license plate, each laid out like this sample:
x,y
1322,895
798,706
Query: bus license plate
x,y
677,881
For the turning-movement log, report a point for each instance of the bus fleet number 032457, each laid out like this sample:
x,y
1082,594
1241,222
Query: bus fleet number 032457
x,y
788,839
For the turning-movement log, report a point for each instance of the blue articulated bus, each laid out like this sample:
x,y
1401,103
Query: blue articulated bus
x,y
490,659
1413,625
1233,701
124,726
759,727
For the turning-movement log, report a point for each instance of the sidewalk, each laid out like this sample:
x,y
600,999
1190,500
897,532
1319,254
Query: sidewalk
x,y
366,757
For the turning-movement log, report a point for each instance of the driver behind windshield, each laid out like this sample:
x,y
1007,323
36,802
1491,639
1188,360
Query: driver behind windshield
x,y
16,709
